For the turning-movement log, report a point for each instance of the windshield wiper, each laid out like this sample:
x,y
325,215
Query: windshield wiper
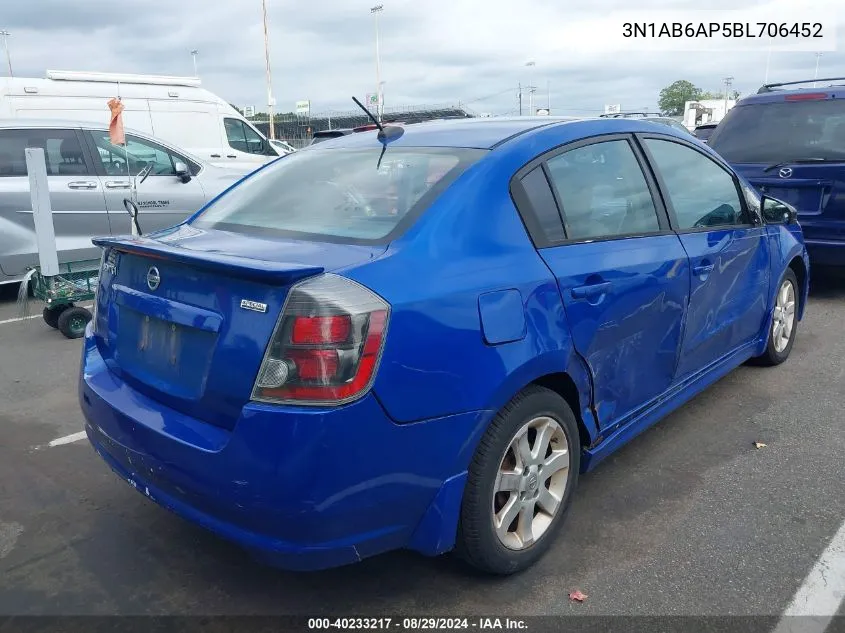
x,y
803,161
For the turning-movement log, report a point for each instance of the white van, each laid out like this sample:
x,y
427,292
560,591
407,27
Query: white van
x,y
174,109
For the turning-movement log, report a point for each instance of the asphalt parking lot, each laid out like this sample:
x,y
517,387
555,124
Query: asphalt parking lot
x,y
689,519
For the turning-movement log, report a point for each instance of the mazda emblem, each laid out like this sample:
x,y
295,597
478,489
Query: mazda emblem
x,y
785,172
153,278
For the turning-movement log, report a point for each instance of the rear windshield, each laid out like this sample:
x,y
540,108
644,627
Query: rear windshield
x,y
782,131
340,194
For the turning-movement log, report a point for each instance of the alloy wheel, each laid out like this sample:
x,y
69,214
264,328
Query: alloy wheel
x,y
530,483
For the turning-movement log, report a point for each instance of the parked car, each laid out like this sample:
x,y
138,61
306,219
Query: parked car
x,y
789,142
665,120
282,147
88,179
421,342
705,131
325,135
176,110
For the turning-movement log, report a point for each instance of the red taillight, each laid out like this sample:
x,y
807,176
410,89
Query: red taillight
x,y
326,346
320,330
318,365
810,96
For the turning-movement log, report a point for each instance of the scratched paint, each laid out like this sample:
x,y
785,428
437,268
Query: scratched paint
x,y
9,533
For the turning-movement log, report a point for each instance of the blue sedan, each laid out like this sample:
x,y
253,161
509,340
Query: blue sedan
x,y
418,338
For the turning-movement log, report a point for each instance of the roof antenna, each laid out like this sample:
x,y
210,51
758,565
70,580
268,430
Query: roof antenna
x,y
369,114
385,134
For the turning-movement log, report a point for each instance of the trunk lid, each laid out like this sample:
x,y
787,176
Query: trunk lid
x,y
185,318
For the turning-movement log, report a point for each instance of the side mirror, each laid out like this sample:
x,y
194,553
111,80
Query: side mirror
x,y
183,172
778,212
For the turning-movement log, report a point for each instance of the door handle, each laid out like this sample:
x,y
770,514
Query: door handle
x,y
593,290
117,185
702,269
231,156
215,155
82,184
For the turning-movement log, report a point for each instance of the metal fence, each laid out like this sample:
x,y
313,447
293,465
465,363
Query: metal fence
x,y
298,130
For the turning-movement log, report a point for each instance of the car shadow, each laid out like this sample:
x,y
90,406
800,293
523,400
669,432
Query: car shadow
x,y
827,283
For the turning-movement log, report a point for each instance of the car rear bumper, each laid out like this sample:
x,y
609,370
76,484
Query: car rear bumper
x,y
826,252
301,488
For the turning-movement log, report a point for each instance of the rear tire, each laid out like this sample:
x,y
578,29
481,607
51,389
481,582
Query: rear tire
x,y
51,314
784,322
520,483
72,322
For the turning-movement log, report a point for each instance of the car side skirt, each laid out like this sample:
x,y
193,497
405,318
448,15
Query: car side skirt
x,y
665,403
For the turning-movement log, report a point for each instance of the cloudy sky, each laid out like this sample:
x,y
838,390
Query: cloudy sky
x,y
432,51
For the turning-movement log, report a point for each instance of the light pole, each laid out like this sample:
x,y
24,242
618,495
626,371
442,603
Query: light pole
x,y
728,84
194,54
531,88
379,94
6,35
270,100
816,75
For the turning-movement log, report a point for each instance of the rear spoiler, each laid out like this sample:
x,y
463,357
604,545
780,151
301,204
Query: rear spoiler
x,y
771,87
242,267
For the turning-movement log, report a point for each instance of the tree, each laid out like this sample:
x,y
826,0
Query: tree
x,y
674,96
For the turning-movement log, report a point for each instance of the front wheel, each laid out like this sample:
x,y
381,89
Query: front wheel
x,y
520,483
784,321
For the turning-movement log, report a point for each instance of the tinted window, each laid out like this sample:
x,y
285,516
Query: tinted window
x,y
139,152
603,191
702,193
62,152
782,131
338,193
543,205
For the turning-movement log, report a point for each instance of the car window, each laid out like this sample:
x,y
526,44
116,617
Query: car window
x,y
603,191
702,193
235,134
62,152
244,139
543,205
782,131
139,152
345,194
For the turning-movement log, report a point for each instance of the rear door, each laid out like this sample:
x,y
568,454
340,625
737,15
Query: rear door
x,y
727,246
163,199
622,273
76,196
793,148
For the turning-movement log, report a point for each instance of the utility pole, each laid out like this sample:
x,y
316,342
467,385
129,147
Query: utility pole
x,y
6,35
519,94
815,76
379,94
270,99
194,54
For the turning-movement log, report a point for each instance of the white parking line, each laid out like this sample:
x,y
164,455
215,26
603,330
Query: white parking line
x,y
33,316
818,600
68,439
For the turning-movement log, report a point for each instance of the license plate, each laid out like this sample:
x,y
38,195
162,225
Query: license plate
x,y
160,340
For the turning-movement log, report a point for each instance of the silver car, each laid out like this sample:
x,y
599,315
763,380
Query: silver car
x,y
89,179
